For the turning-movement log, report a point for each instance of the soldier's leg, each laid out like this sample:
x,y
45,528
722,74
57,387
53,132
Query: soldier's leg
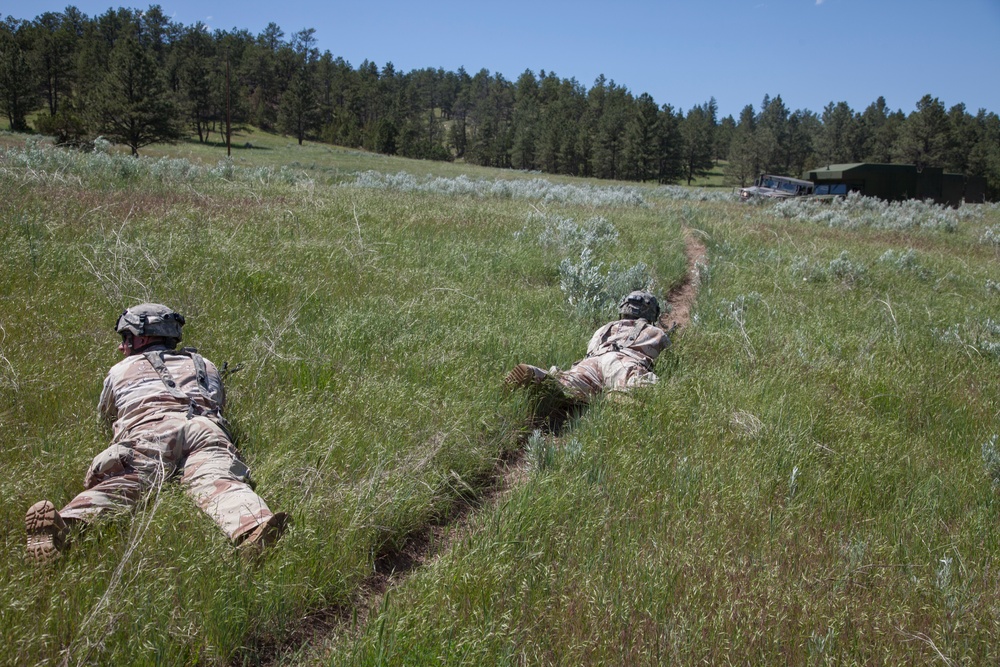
x,y
115,493
120,475
218,481
117,478
584,380
622,372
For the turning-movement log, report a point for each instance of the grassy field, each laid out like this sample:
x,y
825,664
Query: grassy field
x,y
714,179
811,482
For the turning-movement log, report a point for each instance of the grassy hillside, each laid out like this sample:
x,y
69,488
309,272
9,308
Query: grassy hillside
x,y
812,480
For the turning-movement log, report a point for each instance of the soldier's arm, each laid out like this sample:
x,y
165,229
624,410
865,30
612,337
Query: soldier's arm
x,y
659,342
107,409
217,390
598,338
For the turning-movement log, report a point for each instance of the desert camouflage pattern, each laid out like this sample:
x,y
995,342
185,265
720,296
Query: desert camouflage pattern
x,y
618,358
159,434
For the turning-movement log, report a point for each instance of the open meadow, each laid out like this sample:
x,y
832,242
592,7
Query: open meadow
x,y
814,480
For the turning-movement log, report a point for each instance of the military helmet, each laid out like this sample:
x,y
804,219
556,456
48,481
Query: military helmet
x,y
151,319
639,304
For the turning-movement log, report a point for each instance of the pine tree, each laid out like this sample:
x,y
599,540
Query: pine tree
x,y
839,140
131,104
924,139
202,89
771,137
803,128
670,146
16,81
525,121
298,110
610,107
744,161
698,134
879,130
723,137
53,57
639,161
984,158
965,134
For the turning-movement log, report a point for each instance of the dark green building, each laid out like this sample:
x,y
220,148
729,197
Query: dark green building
x,y
894,182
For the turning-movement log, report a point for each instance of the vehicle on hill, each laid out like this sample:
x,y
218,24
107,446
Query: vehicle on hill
x,y
894,182
773,186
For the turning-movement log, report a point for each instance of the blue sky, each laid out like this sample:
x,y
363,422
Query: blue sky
x,y
810,52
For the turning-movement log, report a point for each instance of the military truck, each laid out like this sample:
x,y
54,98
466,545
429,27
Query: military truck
x,y
773,186
894,182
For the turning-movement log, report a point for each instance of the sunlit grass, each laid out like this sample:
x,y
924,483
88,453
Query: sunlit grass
x,y
370,328
812,481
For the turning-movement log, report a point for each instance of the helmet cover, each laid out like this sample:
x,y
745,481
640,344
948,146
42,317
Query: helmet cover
x,y
151,319
639,304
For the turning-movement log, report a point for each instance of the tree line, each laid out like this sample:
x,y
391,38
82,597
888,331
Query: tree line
x,y
137,77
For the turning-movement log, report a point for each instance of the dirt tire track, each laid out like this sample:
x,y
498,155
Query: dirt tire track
x,y
322,629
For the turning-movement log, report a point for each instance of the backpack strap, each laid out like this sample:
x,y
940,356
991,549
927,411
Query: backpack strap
x,y
200,370
633,335
155,359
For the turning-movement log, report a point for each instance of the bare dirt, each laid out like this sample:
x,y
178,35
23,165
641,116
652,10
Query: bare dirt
x,y
322,629
682,297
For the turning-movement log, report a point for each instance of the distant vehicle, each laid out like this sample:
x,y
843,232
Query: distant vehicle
x,y
772,186
895,182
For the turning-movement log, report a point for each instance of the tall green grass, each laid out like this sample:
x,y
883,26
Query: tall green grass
x,y
370,326
811,482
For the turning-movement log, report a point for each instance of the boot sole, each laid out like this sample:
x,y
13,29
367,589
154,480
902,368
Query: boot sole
x,y
519,376
46,532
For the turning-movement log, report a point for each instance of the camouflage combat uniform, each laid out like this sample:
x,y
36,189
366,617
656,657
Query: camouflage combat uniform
x,y
166,406
620,356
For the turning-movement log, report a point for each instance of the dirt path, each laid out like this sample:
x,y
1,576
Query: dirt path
x,y
325,628
682,297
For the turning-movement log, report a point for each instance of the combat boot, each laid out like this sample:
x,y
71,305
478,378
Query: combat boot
x,y
264,535
47,532
524,375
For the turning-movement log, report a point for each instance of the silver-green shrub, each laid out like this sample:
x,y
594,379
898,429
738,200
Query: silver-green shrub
x,y
45,163
856,210
982,336
736,309
809,271
594,291
540,451
592,288
569,238
990,236
904,262
900,259
529,189
844,270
